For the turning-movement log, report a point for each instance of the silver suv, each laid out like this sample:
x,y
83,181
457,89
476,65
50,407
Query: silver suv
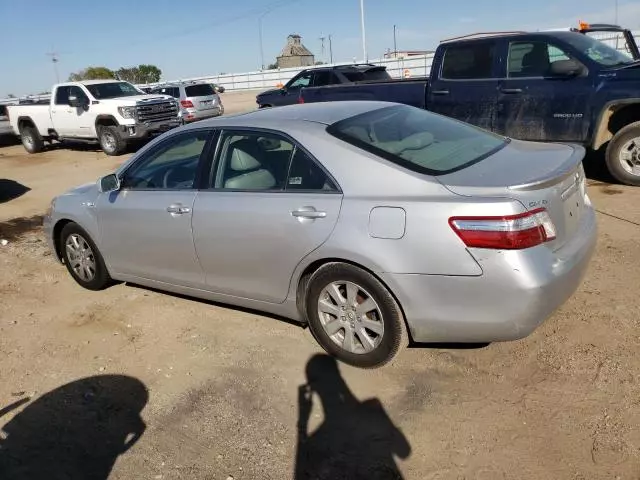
x,y
197,100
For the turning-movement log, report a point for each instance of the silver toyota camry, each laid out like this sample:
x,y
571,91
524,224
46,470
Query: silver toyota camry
x,y
374,223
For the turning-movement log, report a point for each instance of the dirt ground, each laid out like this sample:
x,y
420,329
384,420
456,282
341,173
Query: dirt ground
x,y
131,383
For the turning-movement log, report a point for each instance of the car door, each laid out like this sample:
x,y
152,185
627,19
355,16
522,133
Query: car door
x,y
71,121
465,88
145,227
535,105
291,91
268,206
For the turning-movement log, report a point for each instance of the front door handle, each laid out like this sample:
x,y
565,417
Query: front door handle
x,y
440,92
511,90
308,212
178,209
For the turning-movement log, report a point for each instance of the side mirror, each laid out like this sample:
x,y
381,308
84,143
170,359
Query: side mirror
x,y
73,101
566,68
283,91
109,183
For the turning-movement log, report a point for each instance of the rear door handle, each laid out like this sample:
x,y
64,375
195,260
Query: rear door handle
x,y
511,90
178,209
308,212
440,92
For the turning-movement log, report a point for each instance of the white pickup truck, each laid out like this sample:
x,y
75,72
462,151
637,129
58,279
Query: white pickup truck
x,y
110,112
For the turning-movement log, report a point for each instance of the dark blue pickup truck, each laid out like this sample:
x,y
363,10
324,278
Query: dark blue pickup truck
x,y
562,86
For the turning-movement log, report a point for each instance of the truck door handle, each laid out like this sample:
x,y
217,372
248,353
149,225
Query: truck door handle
x,y
511,90
440,92
308,212
178,209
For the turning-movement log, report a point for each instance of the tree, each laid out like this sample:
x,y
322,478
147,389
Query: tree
x,y
11,95
92,73
272,66
139,74
320,63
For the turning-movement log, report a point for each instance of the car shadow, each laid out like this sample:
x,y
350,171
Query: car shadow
x,y
10,190
76,431
16,227
595,167
356,439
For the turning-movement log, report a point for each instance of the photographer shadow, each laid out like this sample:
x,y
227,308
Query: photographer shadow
x,y
76,431
357,440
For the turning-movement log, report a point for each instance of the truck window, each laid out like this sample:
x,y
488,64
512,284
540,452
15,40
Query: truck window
x,y
367,75
325,77
418,140
62,95
468,61
303,80
532,59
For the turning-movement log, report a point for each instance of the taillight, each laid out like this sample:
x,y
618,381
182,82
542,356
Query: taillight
x,y
300,99
186,103
511,232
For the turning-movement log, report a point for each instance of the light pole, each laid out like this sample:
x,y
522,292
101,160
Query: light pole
x,y
395,43
364,37
330,51
260,33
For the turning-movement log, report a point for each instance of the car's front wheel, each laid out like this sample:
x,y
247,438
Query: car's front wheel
x,y
354,316
83,259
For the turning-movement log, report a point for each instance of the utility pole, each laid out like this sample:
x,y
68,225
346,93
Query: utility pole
x,y
322,47
395,43
260,33
616,21
55,60
330,51
364,36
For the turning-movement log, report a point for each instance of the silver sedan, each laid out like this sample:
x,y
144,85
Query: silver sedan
x,y
374,223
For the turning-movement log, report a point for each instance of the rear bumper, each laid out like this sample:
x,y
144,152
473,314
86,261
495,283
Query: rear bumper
x,y
517,291
195,115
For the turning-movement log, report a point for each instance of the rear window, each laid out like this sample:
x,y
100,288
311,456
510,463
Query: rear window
x,y
201,90
367,76
418,140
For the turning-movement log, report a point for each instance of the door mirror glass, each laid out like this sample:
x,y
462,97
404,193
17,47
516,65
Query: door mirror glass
x,y
566,68
109,183
73,101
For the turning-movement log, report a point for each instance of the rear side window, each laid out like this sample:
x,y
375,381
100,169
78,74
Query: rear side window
x,y
173,91
201,90
468,61
324,78
367,75
418,140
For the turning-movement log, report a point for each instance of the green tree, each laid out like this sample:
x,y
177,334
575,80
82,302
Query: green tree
x,y
92,73
272,66
139,74
11,95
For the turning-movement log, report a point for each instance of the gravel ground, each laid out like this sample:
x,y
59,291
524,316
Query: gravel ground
x,y
132,383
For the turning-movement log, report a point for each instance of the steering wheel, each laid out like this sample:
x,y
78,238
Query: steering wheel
x,y
178,177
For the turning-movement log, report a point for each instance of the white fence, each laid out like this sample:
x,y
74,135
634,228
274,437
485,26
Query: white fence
x,y
418,66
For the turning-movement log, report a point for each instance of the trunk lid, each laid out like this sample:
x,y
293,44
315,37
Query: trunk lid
x,y
537,175
202,95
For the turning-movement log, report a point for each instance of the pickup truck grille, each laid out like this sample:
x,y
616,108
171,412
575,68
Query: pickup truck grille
x,y
156,112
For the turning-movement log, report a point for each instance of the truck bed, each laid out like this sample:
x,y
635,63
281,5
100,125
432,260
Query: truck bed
x,y
37,112
408,91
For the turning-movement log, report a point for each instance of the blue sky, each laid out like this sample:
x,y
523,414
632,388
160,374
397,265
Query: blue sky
x,y
203,37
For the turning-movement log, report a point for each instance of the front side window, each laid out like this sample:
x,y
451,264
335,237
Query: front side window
x,y
62,95
533,59
469,61
418,140
113,90
75,91
302,81
172,165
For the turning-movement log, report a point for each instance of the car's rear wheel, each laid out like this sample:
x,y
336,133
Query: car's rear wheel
x,y
623,155
353,316
83,259
111,142
31,139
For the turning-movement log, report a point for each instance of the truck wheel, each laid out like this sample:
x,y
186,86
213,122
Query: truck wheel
x,y
623,155
31,139
111,142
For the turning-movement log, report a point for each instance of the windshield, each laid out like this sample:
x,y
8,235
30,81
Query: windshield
x,y
113,90
418,140
598,51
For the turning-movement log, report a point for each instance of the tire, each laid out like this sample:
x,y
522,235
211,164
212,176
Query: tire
x,y
623,155
382,326
111,142
97,277
31,139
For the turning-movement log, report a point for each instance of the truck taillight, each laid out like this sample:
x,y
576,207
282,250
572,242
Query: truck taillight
x,y
300,99
513,232
186,103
